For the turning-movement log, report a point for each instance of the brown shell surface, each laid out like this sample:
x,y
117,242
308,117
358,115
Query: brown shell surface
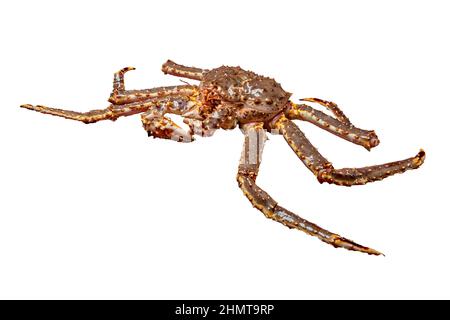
x,y
253,97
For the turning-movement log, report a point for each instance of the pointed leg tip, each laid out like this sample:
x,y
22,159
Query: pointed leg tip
x,y
375,252
369,251
126,69
419,159
374,141
32,107
342,242
36,107
421,153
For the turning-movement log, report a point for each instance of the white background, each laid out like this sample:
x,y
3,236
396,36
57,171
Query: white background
x,y
102,211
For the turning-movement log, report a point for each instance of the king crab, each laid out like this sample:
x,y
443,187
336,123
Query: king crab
x,y
228,97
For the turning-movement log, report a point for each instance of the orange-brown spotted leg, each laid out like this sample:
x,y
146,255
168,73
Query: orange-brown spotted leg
x,y
359,176
324,170
248,170
131,96
330,105
170,67
177,104
120,95
86,117
110,113
340,127
124,102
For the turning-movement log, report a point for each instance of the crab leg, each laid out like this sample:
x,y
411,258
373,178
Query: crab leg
x,y
173,104
86,117
248,170
330,105
121,96
110,113
366,138
130,96
324,170
170,67
124,102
